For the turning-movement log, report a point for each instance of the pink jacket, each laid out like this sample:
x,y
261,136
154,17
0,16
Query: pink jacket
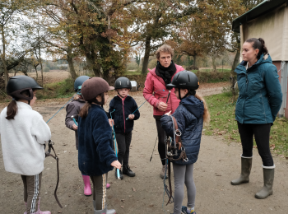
x,y
157,85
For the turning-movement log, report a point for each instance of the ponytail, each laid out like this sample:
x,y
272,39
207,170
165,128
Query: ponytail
x,y
11,110
84,110
206,115
258,44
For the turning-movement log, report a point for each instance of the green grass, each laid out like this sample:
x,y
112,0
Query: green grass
x,y
218,69
222,110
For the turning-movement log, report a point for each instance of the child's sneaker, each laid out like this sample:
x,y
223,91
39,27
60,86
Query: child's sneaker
x,y
185,211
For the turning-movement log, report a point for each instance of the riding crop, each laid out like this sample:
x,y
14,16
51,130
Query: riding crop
x,y
146,101
115,143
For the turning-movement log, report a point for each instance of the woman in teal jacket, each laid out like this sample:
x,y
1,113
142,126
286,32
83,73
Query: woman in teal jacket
x,y
259,101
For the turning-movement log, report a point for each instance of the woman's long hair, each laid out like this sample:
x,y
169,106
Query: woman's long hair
x,y
258,44
206,115
12,107
85,109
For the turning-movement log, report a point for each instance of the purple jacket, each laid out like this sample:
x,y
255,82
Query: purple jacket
x,y
73,109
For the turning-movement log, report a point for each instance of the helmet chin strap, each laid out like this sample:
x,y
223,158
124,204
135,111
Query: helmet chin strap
x,y
186,95
179,93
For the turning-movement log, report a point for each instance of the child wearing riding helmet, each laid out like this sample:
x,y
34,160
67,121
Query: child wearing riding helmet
x,y
23,136
95,150
189,116
123,109
72,111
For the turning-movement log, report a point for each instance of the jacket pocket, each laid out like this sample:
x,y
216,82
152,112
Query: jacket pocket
x,y
241,81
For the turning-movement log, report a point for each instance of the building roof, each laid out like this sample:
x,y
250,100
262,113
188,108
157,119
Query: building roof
x,y
262,8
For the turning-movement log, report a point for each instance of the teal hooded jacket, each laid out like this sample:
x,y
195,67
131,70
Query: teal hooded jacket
x,y
260,95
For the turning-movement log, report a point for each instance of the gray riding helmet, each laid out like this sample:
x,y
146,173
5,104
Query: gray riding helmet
x,y
122,82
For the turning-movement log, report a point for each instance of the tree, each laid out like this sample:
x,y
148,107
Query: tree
x,y
97,29
156,20
236,41
13,27
188,42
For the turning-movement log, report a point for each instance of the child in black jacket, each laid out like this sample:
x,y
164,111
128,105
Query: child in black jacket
x,y
122,109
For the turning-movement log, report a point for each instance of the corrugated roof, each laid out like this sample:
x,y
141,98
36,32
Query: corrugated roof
x,y
262,8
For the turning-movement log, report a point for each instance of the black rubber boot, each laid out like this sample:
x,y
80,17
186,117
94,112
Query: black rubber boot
x,y
246,165
121,174
268,175
128,171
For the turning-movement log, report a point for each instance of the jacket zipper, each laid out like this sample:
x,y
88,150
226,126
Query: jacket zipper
x,y
123,113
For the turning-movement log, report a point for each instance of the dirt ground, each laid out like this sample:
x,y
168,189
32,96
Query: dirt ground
x,y
218,163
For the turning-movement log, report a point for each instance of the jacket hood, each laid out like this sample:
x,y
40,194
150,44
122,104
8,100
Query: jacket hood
x,y
193,105
263,59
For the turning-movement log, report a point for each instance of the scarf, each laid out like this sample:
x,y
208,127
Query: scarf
x,y
166,73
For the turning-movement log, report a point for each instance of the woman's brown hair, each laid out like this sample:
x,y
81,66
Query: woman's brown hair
x,y
12,107
11,110
258,44
85,109
206,115
164,48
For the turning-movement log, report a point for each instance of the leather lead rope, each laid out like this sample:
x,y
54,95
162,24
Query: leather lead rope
x,y
50,146
177,145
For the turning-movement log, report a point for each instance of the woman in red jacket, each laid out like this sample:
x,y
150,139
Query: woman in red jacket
x,y
156,82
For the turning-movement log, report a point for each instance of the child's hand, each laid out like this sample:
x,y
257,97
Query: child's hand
x,y
111,122
116,164
168,113
75,127
131,116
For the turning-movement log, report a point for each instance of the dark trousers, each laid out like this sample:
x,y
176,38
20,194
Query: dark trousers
x,y
99,191
32,185
261,132
162,137
123,141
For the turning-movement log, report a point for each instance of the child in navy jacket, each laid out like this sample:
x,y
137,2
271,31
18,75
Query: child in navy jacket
x,y
189,116
95,151
121,108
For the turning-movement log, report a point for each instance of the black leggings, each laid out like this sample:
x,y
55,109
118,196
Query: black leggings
x,y
123,141
261,133
161,139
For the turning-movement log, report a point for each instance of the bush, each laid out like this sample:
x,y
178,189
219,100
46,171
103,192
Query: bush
x,y
212,77
57,90
191,68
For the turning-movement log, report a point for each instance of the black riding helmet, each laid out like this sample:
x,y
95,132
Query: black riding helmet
x,y
185,80
122,82
16,85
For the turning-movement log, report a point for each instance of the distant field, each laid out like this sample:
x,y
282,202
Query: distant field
x,y
49,77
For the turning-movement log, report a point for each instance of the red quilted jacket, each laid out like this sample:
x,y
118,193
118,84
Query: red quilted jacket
x,y
156,84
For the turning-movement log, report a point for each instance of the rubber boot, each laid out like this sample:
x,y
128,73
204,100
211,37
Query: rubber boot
x,y
87,185
105,211
162,173
25,207
268,175
246,165
121,174
128,171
